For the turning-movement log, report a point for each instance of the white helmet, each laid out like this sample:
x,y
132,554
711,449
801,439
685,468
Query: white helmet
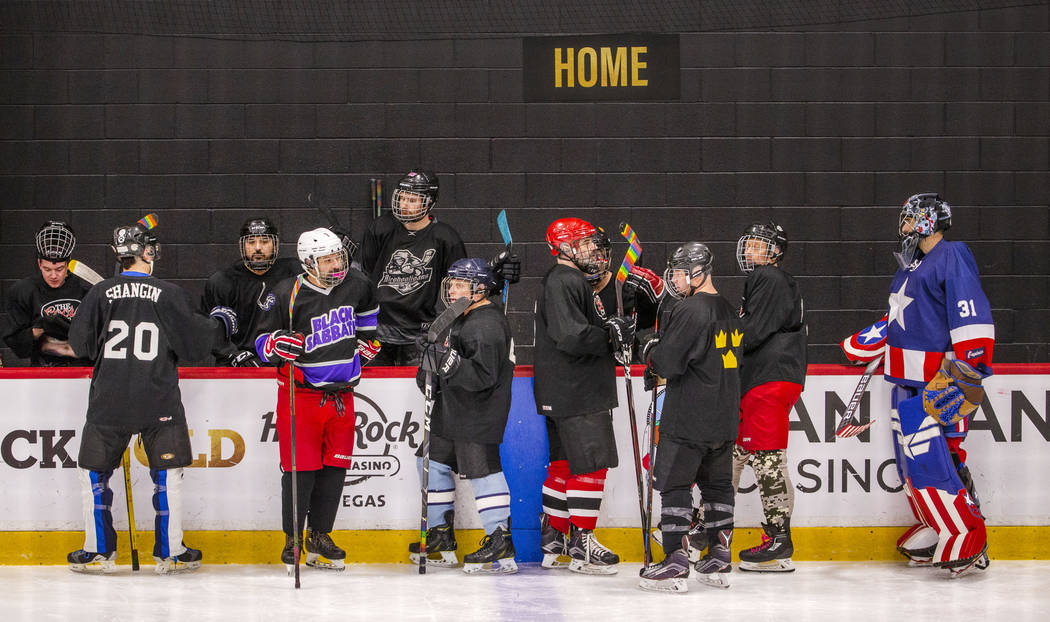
x,y
320,243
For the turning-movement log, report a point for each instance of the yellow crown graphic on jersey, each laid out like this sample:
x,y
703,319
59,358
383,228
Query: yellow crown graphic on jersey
x,y
720,339
728,360
737,338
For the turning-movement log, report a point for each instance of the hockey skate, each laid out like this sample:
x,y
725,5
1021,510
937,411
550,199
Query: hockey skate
x,y
496,555
86,561
715,567
288,553
322,553
774,554
553,544
441,545
670,575
188,560
589,556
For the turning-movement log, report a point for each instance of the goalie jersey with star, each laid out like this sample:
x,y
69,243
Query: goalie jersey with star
x,y
937,308
136,328
332,320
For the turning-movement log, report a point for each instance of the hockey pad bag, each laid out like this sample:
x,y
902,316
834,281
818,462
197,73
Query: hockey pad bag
x,y
938,493
867,344
954,392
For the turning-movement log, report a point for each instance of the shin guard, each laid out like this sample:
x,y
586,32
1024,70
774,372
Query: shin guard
x,y
492,497
441,491
555,504
583,496
167,501
99,535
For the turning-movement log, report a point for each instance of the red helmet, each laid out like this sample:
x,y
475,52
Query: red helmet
x,y
563,238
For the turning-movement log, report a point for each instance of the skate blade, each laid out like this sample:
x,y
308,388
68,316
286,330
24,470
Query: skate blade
x,y
314,560
552,561
447,559
500,566
920,563
106,566
167,566
582,567
981,562
677,585
773,565
714,579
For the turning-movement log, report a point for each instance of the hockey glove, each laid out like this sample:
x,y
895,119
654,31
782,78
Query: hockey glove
x,y
285,344
648,343
56,326
449,363
244,358
647,282
621,331
228,317
507,266
367,349
955,392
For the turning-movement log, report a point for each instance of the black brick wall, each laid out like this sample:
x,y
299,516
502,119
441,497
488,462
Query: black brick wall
x,y
826,128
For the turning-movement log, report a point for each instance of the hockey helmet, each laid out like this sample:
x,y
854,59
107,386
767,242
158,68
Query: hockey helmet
x,y
476,273
323,256
761,244
687,262
604,253
257,231
926,213
133,240
578,241
55,241
415,196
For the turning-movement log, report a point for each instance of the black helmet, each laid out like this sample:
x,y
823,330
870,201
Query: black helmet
x,y
259,227
416,182
55,241
771,234
695,259
132,240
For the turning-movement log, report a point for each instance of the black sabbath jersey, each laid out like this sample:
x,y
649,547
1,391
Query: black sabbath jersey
x,y
136,328
407,268
29,301
772,312
249,295
699,354
473,403
574,371
331,319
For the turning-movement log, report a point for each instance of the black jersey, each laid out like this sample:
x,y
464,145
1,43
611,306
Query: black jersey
x,y
774,329
249,295
574,372
473,403
136,328
699,354
28,302
332,320
407,267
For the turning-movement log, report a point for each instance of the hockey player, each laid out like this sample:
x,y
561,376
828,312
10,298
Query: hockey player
x,y
136,328
406,254
332,313
575,389
772,377
473,374
937,311
698,351
247,287
40,307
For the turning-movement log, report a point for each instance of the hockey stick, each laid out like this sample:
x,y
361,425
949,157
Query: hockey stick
x,y
504,231
131,511
296,544
84,272
647,556
440,324
634,250
848,424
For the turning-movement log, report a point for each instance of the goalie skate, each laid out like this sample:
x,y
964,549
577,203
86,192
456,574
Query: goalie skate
x,y
553,544
322,553
981,562
88,562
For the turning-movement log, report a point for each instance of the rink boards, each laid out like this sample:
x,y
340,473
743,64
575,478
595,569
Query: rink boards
x,y
848,504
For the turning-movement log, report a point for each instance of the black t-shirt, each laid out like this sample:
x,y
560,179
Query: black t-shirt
x,y
136,328
249,295
473,403
699,354
774,329
574,371
407,267
29,300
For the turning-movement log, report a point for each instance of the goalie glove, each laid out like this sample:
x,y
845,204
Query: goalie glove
x,y
367,349
228,317
647,282
955,392
284,344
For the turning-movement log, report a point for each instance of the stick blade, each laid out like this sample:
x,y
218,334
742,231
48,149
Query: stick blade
x,y
848,428
504,228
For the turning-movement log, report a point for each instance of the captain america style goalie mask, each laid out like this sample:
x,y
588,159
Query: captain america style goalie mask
x,y
323,256
921,216
470,277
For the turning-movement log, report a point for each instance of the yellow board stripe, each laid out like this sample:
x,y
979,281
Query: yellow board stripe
x,y
41,548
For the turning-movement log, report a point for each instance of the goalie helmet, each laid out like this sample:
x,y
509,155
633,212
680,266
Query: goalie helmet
x,y
468,277
688,261
578,241
323,256
415,196
761,244
55,241
253,231
927,213
132,241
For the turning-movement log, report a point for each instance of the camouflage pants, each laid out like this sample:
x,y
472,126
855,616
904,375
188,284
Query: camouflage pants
x,y
771,474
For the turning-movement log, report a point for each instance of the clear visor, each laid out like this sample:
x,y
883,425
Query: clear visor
x,y
453,288
408,206
330,269
752,251
258,252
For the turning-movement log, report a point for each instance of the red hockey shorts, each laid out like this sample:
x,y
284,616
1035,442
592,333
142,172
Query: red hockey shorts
x,y
322,436
764,412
